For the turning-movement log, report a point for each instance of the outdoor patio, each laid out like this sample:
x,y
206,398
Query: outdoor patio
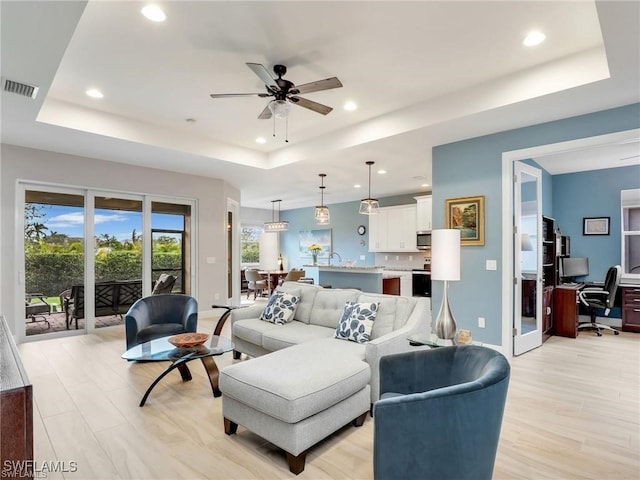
x,y
58,324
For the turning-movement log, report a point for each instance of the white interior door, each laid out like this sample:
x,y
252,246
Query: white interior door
x,y
527,258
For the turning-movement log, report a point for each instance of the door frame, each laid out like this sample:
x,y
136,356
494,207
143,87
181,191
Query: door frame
x,y
508,158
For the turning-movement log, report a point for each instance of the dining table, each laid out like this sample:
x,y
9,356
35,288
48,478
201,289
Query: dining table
x,y
273,278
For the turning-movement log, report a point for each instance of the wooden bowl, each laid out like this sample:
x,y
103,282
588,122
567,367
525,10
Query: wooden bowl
x,y
188,340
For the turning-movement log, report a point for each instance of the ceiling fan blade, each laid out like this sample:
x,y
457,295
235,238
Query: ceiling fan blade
x,y
315,106
224,95
265,114
264,75
326,84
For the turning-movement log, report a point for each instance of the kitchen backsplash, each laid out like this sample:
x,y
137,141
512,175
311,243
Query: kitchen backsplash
x,y
403,260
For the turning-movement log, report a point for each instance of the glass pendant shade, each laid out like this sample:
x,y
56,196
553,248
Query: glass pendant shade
x,y
321,214
280,108
369,206
276,225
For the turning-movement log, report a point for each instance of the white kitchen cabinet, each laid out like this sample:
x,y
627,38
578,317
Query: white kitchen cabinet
x,y
393,229
378,231
424,207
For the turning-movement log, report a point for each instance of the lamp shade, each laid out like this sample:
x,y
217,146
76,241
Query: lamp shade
x,y
445,254
525,243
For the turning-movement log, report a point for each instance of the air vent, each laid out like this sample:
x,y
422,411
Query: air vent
x,y
18,88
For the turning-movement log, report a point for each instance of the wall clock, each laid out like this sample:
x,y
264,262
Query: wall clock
x,y
362,230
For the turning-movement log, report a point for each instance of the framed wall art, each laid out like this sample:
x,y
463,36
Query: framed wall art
x,y
595,225
467,215
321,238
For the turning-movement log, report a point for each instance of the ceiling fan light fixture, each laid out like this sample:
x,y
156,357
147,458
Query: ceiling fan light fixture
x,y
321,213
369,206
280,108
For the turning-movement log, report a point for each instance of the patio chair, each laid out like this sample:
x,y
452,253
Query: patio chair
x,y
37,311
164,284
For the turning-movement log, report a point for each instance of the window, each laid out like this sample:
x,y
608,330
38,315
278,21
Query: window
x,y
250,244
630,202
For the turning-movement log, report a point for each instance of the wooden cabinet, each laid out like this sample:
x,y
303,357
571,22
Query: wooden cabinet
x,y
391,285
565,310
549,266
16,398
631,309
547,310
393,229
424,207
406,281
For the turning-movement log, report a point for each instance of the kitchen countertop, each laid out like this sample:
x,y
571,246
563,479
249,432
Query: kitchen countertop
x,y
344,268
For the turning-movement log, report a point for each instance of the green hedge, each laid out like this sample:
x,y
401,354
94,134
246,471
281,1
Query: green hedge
x,y
52,273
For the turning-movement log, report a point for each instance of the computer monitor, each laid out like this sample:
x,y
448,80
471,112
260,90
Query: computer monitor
x,y
572,267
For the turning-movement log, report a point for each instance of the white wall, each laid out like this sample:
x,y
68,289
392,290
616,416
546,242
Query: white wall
x,y
17,163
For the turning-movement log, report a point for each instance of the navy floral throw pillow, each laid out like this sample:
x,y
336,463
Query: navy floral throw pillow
x,y
280,308
356,322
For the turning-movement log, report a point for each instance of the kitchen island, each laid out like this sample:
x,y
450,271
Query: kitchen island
x,y
365,278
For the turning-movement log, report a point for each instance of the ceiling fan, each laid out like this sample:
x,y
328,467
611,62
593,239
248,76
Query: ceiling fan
x,y
285,92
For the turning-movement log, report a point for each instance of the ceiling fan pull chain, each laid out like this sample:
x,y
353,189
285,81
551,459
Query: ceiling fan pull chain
x,y
274,127
286,130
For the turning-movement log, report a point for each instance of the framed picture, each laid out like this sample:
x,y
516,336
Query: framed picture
x,y
467,215
595,225
319,237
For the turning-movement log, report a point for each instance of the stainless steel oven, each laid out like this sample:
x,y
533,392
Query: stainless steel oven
x,y
423,240
421,283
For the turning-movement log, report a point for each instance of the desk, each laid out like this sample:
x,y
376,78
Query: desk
x,y
565,310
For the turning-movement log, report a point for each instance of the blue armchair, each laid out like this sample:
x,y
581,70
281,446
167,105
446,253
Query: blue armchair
x,y
439,413
158,316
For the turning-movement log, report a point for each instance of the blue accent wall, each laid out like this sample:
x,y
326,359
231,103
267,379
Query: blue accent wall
x,y
593,194
344,237
474,167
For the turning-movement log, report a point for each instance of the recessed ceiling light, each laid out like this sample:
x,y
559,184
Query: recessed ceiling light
x,y
350,106
154,13
261,140
533,39
381,172
357,185
424,185
94,93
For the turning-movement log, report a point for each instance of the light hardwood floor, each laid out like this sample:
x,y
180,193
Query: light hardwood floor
x,y
573,411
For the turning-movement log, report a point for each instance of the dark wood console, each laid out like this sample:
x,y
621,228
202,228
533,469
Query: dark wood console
x,y
16,414
565,310
631,309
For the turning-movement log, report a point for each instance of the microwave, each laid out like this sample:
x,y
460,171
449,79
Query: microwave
x,y
423,240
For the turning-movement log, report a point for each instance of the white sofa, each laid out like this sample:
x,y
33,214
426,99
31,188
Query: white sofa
x,y
317,316
306,384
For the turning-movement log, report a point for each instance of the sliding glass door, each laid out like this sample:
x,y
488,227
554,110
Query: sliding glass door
x,y
89,255
54,259
117,230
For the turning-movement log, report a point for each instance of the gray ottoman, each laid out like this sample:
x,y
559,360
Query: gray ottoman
x,y
297,396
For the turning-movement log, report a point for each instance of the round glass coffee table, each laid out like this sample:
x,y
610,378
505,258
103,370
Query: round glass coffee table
x,y
160,350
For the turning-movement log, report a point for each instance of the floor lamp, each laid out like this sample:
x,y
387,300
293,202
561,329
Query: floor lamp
x,y
445,266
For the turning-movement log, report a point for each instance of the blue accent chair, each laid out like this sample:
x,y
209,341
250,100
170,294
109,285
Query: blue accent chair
x,y
439,413
158,316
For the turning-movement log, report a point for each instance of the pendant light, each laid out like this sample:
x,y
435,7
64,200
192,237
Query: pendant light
x,y
369,206
322,212
273,225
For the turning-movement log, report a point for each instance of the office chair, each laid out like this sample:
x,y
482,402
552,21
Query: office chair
x,y
601,297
